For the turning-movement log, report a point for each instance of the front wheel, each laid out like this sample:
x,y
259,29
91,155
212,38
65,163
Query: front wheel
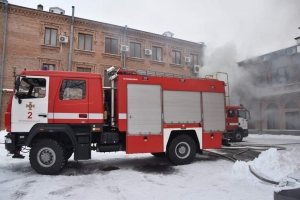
x,y
238,136
182,150
47,157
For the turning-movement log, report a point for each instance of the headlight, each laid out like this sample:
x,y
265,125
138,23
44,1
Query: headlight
x,y
8,141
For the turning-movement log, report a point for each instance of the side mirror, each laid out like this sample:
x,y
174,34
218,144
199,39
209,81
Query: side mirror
x,y
17,84
248,112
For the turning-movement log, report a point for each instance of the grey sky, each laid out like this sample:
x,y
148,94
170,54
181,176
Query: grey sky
x,y
254,26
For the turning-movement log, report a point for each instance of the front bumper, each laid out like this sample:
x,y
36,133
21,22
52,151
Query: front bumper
x,y
245,132
10,142
229,134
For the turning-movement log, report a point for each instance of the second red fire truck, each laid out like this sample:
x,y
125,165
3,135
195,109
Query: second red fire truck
x,y
59,113
236,123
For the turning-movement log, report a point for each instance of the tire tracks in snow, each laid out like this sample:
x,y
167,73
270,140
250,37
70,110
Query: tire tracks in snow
x,y
22,191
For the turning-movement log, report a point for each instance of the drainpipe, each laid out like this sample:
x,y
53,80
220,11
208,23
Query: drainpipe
x,y
3,56
124,42
71,40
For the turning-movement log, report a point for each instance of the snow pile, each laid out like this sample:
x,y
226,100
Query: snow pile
x,y
2,134
271,164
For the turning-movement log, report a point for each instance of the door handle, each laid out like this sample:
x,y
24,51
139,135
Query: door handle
x,y
82,115
42,115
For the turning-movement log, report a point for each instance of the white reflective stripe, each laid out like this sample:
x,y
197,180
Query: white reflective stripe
x,y
74,116
122,116
95,116
233,124
66,116
50,115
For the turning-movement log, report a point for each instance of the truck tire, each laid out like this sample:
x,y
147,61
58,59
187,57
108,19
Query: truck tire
x,y
182,150
47,157
159,155
238,136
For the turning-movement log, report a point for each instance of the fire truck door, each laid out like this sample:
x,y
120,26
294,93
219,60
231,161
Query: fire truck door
x,y
72,102
30,104
144,104
242,118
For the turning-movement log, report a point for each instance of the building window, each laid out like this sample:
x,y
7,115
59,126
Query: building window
x,y
49,67
111,45
157,54
176,57
72,89
262,79
135,50
85,42
292,118
272,116
50,36
194,60
83,69
282,75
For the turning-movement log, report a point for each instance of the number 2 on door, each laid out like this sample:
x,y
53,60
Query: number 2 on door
x,y
29,115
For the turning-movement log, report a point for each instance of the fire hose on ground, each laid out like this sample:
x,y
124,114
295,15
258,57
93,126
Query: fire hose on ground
x,y
247,148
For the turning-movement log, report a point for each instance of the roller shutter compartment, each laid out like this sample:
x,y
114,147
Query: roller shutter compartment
x,y
144,109
182,107
213,111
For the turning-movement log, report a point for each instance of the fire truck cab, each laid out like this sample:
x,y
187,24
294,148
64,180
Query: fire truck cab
x,y
236,122
59,113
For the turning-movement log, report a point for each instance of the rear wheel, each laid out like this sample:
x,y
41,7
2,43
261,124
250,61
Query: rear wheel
x,y
47,157
182,150
159,155
238,136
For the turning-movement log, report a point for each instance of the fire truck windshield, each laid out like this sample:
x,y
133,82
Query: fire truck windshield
x,y
242,113
32,88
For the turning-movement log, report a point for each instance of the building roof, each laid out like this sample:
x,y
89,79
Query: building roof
x,y
282,52
68,17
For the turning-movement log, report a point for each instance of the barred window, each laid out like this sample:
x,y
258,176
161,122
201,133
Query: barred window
x,y
83,69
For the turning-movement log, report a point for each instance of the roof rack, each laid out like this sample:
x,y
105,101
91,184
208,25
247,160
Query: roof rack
x,y
156,73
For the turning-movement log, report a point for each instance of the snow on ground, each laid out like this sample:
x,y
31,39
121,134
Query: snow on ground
x,y
273,164
138,176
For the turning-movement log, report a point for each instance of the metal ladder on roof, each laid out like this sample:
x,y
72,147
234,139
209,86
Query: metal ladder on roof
x,y
226,84
161,74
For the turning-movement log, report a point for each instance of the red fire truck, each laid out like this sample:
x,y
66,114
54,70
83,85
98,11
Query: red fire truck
x,y
59,113
236,122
